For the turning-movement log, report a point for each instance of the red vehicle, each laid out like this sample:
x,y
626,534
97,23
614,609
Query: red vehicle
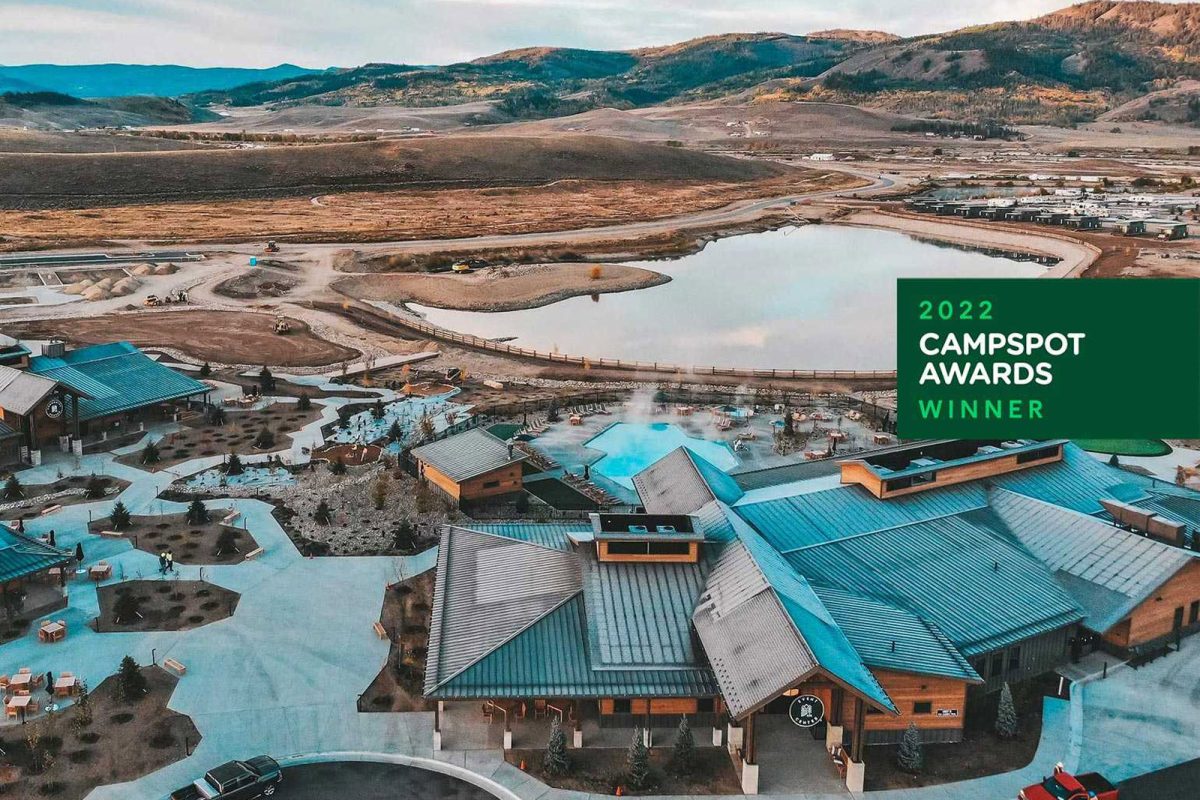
x,y
1062,785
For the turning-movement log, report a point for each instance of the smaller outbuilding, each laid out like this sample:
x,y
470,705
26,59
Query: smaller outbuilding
x,y
471,466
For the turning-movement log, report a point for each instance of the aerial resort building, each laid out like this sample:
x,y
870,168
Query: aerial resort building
x,y
806,620
76,399
470,466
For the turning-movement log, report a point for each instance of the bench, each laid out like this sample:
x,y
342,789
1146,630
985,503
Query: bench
x,y
112,534
255,553
231,517
50,509
175,666
380,631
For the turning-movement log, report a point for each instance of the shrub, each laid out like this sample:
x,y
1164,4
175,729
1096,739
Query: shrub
x,y
637,761
205,370
131,683
909,756
323,515
13,490
226,541
150,453
94,489
1006,715
683,755
233,465
216,416
556,761
596,272
127,608
265,438
119,517
197,513
377,409
337,466
379,492
303,403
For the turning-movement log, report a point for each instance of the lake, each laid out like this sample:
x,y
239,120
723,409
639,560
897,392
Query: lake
x,y
811,297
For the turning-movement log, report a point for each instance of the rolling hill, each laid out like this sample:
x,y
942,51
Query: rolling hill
x,y
46,110
114,80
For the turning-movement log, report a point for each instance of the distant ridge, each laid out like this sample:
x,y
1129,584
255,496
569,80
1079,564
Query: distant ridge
x,y
115,80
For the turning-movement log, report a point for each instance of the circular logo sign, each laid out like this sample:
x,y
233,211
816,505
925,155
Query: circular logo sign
x,y
54,409
807,710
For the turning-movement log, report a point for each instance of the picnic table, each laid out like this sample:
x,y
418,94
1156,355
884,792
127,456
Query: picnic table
x,y
65,686
22,680
14,706
100,571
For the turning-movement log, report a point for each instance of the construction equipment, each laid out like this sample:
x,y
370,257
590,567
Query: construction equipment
x,y
271,247
152,300
282,326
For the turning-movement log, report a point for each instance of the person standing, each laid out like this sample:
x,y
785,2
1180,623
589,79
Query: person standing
x,y
162,562
170,561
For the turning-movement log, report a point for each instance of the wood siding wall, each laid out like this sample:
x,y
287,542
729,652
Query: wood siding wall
x,y
505,480
1155,618
690,557
860,474
1023,660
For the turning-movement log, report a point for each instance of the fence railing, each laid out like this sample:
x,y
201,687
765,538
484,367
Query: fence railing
x,y
479,343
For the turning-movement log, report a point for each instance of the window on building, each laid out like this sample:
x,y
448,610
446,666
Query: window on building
x,y
1194,613
669,548
1178,621
490,484
626,548
706,705
923,707
1036,455
622,706
997,668
1014,659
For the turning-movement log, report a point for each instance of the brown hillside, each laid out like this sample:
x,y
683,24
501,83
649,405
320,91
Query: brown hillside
x,y
852,35
1173,24
81,180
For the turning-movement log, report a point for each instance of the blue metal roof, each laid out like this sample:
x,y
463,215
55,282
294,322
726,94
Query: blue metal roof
x,y
893,638
550,659
546,534
983,590
721,483
115,377
22,556
1077,482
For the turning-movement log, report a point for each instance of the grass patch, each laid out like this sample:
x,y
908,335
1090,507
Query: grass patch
x,y
1125,447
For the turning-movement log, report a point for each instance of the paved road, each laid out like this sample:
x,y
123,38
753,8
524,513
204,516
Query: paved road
x,y
77,259
371,781
1174,783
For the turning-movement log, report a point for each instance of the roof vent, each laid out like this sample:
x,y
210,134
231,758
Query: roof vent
x,y
638,529
665,528
55,348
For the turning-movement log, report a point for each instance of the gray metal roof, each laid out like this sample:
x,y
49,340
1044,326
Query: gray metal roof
x,y
682,482
640,615
1089,549
20,392
489,589
468,454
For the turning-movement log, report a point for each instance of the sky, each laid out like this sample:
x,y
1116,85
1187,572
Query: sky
x,y
322,33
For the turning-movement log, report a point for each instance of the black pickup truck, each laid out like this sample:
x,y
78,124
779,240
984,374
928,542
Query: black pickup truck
x,y
235,780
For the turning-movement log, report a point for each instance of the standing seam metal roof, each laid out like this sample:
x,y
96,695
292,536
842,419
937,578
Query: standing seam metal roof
x,y
115,377
22,556
682,482
466,455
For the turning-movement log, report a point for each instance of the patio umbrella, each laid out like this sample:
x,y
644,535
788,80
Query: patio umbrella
x,y
79,552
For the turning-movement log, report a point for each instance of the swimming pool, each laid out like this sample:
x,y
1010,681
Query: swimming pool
x,y
630,447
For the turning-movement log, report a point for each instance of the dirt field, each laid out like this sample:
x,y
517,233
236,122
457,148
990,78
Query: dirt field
x,y
34,181
166,605
500,289
389,216
124,741
405,617
224,337
190,544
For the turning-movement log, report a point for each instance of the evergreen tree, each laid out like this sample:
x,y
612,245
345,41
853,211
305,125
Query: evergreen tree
x,y
216,416
638,761
789,424
94,489
1114,461
379,492
303,403
266,381
395,432
130,681
197,513
556,761
127,608
265,439
150,453
1006,715
909,756
552,414
323,514
343,417
377,409
205,370
119,517
226,542
683,757
233,465
83,708
13,490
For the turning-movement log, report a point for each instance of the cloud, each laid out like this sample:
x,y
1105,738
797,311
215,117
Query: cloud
x,y
352,32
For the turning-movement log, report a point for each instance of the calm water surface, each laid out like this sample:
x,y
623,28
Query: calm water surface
x,y
815,297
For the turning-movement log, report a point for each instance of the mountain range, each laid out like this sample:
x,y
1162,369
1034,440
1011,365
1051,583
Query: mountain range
x,y
115,80
1077,64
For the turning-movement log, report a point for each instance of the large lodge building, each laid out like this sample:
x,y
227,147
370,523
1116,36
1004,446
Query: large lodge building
x,y
901,586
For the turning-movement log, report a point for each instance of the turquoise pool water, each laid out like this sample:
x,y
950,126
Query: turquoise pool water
x,y
630,447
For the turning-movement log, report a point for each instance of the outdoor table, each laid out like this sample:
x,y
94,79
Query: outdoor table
x,y
15,704
65,687
22,680
52,632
